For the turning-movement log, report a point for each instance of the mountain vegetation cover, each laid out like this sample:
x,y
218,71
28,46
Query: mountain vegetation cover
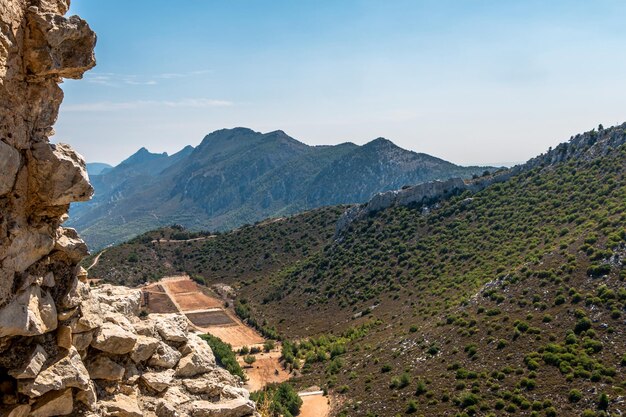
x,y
507,301
239,176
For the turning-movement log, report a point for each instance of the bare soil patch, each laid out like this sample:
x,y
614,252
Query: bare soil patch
x,y
315,406
265,370
236,336
210,318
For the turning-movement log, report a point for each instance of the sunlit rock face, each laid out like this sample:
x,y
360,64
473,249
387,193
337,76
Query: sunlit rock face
x,y
66,349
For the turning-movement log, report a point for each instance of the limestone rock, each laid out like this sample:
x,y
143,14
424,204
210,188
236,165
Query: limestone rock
x,y
145,328
56,403
91,317
171,327
32,366
158,381
198,358
165,409
144,348
88,396
64,337
165,356
9,164
78,292
211,383
125,301
31,313
230,393
67,371
59,174
81,341
66,314
71,245
202,385
60,47
178,398
111,338
104,368
231,408
121,406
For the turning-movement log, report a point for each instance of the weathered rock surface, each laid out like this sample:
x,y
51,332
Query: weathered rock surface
x,y
66,349
33,364
113,339
231,408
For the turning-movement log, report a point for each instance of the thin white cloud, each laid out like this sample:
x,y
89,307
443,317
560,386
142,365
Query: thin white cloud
x,y
115,80
103,106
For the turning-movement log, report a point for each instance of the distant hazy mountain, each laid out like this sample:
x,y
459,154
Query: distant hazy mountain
x,y
97,168
238,176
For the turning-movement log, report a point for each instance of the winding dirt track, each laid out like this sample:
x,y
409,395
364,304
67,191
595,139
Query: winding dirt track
x,y
96,259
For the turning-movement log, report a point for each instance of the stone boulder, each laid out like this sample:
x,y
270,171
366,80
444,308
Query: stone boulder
x,y
102,367
171,327
33,364
240,407
113,339
67,371
158,381
144,348
31,313
55,403
165,356
121,406
198,358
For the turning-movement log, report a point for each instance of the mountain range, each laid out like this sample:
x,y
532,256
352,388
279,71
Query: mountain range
x,y
505,298
239,176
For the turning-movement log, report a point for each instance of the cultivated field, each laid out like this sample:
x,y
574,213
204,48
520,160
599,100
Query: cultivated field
x,y
210,318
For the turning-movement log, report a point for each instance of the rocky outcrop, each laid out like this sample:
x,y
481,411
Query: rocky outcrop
x,y
424,193
66,349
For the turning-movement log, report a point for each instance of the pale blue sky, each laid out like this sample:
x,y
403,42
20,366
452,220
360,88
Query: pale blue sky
x,y
468,81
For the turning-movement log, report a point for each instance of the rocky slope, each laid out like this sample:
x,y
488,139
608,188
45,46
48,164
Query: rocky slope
x,y
63,348
238,176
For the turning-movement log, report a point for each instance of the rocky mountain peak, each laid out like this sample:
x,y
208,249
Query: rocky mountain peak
x,y
143,155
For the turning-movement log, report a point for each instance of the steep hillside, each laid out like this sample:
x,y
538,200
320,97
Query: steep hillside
x,y
242,254
238,176
507,301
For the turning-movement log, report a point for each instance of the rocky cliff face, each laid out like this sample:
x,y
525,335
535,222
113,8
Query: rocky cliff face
x,y
65,349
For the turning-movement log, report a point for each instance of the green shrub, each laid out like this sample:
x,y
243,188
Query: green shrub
x,y
283,399
575,396
224,355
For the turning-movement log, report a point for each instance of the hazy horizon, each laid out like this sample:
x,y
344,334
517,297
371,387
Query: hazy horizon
x,y
470,83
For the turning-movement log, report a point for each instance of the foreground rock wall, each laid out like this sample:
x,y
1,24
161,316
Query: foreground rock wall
x,y
64,349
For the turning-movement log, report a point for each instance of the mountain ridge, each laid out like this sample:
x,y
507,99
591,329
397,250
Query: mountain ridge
x,y
238,176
